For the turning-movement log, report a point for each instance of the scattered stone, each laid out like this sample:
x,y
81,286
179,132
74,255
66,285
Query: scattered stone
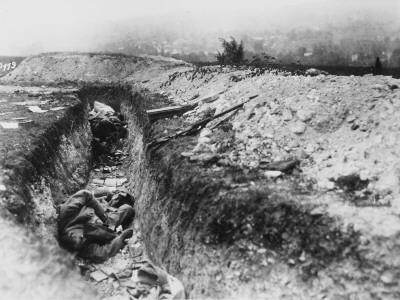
x,y
388,278
291,262
127,273
270,260
305,114
287,115
285,280
302,257
351,119
316,72
98,181
298,127
377,86
218,278
106,170
108,270
98,276
114,182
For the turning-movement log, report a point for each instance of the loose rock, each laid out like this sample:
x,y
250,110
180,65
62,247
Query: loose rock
x,y
299,127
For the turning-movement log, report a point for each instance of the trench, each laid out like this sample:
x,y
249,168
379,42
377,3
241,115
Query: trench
x,y
194,222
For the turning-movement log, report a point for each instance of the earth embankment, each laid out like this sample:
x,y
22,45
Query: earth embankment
x,y
213,207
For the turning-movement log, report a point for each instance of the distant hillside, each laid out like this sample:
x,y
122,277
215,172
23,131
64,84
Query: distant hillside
x,y
9,63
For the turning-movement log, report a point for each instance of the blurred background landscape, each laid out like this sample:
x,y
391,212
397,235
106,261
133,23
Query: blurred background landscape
x,y
302,32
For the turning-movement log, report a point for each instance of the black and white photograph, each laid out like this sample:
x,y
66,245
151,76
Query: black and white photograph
x,y
187,149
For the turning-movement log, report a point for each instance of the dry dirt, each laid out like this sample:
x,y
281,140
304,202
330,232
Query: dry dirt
x,y
343,130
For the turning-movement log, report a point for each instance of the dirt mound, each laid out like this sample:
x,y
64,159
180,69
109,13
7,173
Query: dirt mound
x,y
90,67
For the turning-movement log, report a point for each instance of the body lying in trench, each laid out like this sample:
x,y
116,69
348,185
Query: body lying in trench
x,y
98,242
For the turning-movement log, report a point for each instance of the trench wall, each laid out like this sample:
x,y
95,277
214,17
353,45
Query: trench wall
x,y
58,164
53,162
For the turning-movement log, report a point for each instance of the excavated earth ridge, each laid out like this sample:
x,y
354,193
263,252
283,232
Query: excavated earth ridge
x,y
209,208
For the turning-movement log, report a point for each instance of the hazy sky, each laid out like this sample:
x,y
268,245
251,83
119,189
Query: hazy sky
x,y
49,25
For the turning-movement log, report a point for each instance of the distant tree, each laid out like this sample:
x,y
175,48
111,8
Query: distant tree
x,y
232,54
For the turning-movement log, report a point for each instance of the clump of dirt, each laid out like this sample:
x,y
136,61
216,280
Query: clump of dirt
x,y
351,183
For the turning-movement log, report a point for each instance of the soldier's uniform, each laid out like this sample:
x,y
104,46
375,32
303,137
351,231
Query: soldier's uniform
x,y
90,240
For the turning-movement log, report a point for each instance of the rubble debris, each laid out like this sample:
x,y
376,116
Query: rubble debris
x,y
298,127
114,182
98,276
98,181
305,114
36,109
389,278
285,165
206,158
108,270
351,183
9,125
30,102
315,72
273,174
58,108
127,273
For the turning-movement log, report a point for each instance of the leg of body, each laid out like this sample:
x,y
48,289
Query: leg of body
x,y
123,216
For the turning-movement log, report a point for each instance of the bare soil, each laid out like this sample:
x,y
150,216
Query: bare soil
x,y
217,219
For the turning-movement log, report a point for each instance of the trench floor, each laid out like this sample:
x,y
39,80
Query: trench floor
x,y
113,278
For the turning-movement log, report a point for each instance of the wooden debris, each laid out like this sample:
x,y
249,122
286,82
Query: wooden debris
x,y
194,127
210,98
167,112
